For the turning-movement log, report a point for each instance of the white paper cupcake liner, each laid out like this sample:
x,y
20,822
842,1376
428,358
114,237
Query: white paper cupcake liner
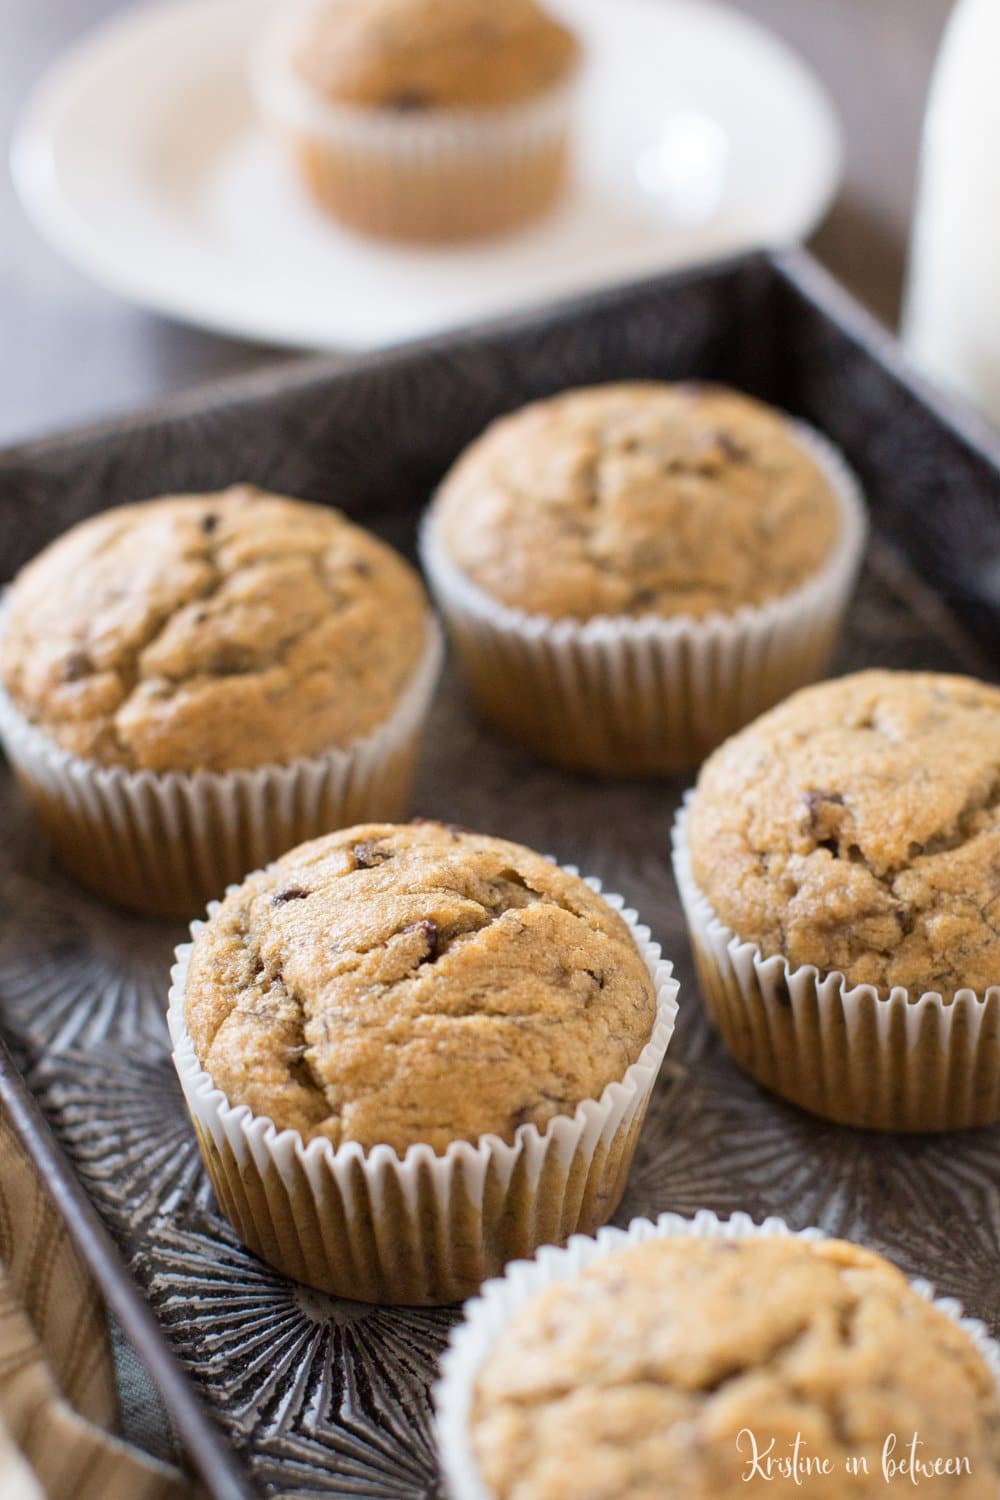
x,y
434,174
898,1062
166,842
426,1228
647,695
488,1314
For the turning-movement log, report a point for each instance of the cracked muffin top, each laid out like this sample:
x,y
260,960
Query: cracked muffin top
x,y
638,1375
638,499
414,55
857,827
211,632
402,984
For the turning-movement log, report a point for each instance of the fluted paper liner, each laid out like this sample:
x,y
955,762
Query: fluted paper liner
x,y
648,695
900,1061
434,174
167,842
488,1314
425,1228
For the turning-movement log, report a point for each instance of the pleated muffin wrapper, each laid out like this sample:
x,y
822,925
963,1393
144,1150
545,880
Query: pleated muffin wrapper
x,y
165,843
647,695
488,1315
902,1061
413,173
426,1228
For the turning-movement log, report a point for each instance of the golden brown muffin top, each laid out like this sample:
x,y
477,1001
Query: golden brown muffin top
x,y
211,632
418,983
409,56
637,1377
637,499
857,827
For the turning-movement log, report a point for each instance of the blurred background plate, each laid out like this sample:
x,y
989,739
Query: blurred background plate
x,y
139,157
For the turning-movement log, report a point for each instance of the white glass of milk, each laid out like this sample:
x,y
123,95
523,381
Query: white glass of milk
x,y
951,322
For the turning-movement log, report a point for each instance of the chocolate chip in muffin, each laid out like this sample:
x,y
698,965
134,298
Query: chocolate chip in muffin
x,y
735,451
367,856
432,933
75,665
289,893
408,101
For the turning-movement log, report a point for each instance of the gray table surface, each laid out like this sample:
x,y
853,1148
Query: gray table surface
x,y
70,351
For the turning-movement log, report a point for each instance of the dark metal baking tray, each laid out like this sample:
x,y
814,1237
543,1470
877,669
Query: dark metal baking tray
x,y
316,1397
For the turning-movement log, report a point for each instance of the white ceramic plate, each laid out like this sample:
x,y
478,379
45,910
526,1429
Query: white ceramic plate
x,y
139,156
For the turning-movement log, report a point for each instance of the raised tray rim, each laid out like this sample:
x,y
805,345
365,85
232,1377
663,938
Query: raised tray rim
x,y
797,270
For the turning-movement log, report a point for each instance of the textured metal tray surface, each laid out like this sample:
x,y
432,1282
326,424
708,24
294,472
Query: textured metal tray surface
x,y
331,1398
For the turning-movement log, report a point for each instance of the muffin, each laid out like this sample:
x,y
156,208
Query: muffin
x,y
426,120
413,1052
632,571
665,1361
839,864
190,685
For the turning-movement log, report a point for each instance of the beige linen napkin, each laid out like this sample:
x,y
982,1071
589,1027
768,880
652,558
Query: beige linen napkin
x,y
58,1400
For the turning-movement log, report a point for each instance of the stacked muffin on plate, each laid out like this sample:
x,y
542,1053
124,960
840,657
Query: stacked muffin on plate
x,y
426,120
